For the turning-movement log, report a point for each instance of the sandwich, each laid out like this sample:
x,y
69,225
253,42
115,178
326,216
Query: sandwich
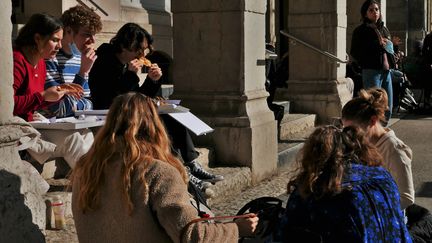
x,y
71,88
146,62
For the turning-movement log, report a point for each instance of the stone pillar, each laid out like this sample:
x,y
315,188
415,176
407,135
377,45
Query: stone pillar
x,y
354,19
316,83
417,13
271,23
6,91
397,21
219,74
22,209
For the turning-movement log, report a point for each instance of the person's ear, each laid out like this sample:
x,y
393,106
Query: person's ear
x,y
68,30
38,40
373,121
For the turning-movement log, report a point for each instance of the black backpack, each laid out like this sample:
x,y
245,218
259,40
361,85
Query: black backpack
x,y
269,211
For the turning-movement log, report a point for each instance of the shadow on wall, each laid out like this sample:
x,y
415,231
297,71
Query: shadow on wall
x,y
15,217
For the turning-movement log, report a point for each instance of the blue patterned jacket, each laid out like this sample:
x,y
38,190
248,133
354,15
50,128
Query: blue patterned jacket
x,y
367,210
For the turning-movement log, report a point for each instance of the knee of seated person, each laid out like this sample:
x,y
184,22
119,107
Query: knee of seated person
x,y
75,146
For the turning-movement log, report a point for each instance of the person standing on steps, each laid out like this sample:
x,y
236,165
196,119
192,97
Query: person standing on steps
x,y
372,49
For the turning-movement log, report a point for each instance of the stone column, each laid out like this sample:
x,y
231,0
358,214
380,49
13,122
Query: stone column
x,y
6,91
416,22
397,21
316,83
353,19
271,22
22,209
219,74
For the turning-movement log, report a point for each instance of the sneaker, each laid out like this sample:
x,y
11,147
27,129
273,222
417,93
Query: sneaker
x,y
200,184
198,171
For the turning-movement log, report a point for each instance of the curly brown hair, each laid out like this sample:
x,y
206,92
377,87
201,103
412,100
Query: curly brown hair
x,y
132,131
325,156
80,16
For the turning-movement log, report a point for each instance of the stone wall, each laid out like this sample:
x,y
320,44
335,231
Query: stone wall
x,y
22,208
218,74
317,83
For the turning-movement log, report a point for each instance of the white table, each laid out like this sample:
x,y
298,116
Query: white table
x,y
56,132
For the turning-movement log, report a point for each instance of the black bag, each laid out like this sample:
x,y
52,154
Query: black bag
x,y
199,201
269,211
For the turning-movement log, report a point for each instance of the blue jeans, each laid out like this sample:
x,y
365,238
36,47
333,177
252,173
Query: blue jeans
x,y
381,79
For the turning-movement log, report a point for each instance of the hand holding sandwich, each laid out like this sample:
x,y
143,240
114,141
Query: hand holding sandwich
x,y
154,71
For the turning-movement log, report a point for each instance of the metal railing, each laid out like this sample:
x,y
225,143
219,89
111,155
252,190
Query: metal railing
x,y
94,4
325,53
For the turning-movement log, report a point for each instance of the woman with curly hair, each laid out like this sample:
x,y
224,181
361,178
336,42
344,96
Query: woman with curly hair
x,y
130,188
341,193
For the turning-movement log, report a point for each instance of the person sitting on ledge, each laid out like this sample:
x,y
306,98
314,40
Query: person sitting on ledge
x,y
130,187
74,59
115,72
341,193
40,39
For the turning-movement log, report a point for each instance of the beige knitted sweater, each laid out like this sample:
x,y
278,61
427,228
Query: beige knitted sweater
x,y
159,214
397,160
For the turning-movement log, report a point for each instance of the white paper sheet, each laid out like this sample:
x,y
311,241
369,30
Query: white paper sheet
x,y
193,123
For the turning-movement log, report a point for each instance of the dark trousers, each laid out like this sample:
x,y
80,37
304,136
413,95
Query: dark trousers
x,y
180,138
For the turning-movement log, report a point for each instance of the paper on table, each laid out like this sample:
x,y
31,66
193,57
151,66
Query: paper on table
x,y
92,112
193,123
69,123
162,109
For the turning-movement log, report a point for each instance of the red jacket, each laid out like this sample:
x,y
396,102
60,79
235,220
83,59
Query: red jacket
x,y
28,83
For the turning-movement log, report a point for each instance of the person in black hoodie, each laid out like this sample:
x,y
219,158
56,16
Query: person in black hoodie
x,y
115,72
372,48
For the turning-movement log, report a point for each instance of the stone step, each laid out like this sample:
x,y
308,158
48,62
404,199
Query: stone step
x,y
291,145
293,124
276,186
235,180
229,195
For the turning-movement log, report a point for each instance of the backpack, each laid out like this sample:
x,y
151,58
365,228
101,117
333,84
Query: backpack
x,y
269,211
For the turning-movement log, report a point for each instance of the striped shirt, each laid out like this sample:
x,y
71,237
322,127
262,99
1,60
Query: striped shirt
x,y
62,69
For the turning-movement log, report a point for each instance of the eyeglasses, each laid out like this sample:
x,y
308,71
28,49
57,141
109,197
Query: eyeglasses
x,y
143,51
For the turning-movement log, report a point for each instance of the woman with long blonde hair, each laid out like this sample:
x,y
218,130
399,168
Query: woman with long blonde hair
x,y
130,188
341,193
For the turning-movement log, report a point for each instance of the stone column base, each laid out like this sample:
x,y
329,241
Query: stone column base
x,y
238,140
323,98
254,147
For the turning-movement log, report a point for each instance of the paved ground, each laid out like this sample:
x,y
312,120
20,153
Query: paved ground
x,y
414,130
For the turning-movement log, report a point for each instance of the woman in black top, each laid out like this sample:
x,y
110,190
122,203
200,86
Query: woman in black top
x,y
115,72
372,48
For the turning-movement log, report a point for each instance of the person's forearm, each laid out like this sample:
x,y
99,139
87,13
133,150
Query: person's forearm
x,y
149,87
